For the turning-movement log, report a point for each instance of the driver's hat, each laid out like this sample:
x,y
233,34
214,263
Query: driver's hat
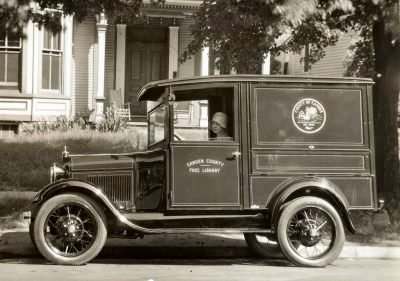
x,y
221,118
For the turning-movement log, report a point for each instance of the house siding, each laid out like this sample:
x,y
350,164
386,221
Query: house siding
x,y
83,61
186,69
331,64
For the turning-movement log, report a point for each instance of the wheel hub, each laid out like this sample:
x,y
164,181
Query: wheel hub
x,y
70,229
309,232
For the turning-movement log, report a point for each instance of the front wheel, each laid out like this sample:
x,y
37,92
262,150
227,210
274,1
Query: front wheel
x,y
310,232
69,229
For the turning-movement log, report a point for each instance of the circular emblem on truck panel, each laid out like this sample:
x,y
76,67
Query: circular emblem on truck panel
x,y
309,116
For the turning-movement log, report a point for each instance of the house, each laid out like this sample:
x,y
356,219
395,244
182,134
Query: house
x,y
89,65
331,65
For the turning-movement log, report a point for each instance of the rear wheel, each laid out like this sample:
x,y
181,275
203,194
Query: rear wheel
x,y
70,229
310,232
263,246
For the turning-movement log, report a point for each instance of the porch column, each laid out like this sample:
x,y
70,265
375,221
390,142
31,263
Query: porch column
x,y
68,34
204,61
120,59
27,63
266,65
101,31
173,51
36,59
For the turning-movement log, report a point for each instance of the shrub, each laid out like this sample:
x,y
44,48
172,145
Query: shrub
x,y
111,121
57,124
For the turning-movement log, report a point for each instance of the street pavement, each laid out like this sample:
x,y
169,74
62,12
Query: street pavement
x,y
199,269
15,243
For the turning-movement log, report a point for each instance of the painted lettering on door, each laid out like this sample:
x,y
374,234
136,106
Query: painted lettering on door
x,y
205,166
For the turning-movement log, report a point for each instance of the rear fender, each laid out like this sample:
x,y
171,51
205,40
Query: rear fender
x,y
305,187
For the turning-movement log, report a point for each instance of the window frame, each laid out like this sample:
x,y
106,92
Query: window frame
x,y
236,127
154,110
53,53
10,50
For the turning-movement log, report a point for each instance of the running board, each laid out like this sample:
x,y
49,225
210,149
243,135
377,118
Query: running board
x,y
168,230
193,224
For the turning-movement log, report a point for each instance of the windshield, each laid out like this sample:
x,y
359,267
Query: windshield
x,y
156,125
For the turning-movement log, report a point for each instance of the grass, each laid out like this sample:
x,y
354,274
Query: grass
x,y
26,159
370,235
12,206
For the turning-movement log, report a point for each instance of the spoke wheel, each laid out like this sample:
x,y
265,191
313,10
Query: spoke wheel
x,y
263,246
70,229
310,232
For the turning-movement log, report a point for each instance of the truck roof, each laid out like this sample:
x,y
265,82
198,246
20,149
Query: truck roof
x,y
153,90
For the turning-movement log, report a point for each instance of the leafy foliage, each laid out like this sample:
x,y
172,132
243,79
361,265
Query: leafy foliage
x,y
111,121
15,13
241,33
360,57
57,124
276,66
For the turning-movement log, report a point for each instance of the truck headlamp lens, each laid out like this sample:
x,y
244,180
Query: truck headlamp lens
x,y
58,172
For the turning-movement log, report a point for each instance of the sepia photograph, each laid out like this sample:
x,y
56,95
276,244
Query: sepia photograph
x,y
158,140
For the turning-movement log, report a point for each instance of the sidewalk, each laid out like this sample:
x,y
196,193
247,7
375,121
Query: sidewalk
x,y
15,243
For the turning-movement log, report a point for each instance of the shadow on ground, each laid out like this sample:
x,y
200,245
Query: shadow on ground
x,y
145,261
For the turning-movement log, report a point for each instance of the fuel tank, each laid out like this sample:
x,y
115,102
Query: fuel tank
x,y
133,181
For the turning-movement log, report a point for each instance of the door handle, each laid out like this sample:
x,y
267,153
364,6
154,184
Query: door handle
x,y
236,153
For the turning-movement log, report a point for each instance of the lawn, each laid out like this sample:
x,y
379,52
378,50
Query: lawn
x,y
26,159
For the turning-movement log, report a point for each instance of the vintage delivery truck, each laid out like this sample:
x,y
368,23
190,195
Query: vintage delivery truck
x,y
281,159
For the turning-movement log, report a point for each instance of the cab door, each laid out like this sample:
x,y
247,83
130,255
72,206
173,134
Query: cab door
x,y
205,170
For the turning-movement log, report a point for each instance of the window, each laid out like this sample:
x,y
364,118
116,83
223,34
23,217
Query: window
x,y
195,111
191,120
10,51
8,130
52,59
156,128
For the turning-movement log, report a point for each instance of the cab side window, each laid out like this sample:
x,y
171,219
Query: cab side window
x,y
204,115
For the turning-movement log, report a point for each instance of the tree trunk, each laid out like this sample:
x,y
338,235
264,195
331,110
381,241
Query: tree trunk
x,y
386,97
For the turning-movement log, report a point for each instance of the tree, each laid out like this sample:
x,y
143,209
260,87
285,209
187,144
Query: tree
x,y
15,13
241,32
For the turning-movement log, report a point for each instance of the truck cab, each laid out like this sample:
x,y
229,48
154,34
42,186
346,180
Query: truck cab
x,y
281,159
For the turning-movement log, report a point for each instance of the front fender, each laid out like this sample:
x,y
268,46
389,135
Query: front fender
x,y
77,185
57,186
307,185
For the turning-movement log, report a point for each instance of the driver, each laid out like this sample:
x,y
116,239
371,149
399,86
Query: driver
x,y
218,125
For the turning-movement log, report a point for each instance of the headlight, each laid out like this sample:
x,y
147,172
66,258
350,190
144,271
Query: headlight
x,y
58,172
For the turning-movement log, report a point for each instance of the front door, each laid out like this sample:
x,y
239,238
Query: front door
x,y
144,63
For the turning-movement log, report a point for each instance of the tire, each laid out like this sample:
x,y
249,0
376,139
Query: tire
x,y
70,229
310,232
263,246
32,235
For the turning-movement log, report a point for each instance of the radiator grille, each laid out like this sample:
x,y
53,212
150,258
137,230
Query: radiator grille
x,y
116,186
